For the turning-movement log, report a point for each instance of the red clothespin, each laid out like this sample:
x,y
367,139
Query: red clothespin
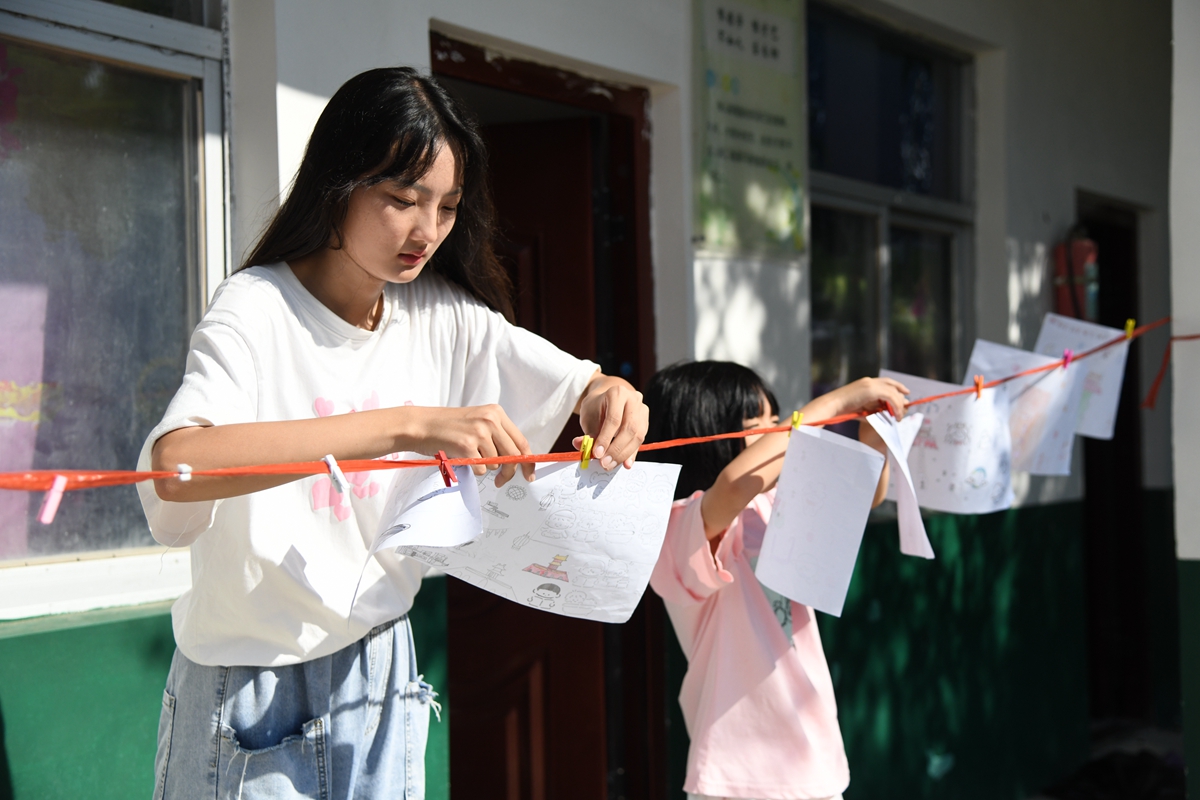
x,y
447,471
978,387
1130,324
51,500
585,451
1068,354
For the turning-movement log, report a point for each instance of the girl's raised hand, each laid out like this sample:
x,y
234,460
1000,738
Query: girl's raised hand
x,y
872,394
471,432
611,411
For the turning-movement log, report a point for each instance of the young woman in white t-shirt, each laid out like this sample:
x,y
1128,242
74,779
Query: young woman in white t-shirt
x,y
370,319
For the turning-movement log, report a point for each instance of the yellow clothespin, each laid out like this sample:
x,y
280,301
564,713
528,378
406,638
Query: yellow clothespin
x,y
585,451
1130,324
797,421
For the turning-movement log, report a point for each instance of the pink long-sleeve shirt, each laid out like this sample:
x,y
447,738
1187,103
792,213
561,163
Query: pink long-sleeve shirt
x,y
759,707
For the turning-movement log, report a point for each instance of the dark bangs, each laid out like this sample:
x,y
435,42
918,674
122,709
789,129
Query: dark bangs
x,y
390,125
700,398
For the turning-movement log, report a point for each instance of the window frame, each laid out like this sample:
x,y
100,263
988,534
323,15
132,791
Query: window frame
x,y
890,207
71,583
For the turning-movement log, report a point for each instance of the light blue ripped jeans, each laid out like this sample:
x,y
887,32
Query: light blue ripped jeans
x,y
350,725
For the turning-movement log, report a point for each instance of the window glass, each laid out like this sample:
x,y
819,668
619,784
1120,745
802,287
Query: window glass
x,y
881,108
920,312
197,12
98,191
845,298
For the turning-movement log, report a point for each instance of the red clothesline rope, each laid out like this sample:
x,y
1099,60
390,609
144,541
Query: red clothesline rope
x,y
42,480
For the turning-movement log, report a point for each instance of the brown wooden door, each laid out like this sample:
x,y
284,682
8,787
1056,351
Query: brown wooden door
x,y
527,689
545,706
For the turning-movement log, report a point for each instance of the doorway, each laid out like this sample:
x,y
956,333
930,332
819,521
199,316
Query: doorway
x,y
1131,589
544,706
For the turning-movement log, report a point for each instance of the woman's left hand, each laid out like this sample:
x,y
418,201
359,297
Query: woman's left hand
x,y
611,411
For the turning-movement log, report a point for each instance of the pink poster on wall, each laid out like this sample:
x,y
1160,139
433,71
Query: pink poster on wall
x,y
22,346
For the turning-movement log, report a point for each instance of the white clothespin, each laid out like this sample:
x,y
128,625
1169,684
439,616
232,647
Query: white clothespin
x,y
336,475
184,473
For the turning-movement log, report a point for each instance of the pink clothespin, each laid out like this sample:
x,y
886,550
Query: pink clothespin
x,y
447,471
51,499
1068,354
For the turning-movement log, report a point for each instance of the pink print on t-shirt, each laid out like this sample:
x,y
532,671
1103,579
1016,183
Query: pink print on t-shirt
x,y
324,495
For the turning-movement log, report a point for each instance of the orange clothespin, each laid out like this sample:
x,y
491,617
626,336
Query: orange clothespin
x,y
1130,324
585,451
978,387
447,471
797,421
1068,354
51,500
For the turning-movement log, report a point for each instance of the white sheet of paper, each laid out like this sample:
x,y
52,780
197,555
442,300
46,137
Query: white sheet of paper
x,y
961,458
914,541
907,430
1043,408
420,509
581,543
821,504
1104,372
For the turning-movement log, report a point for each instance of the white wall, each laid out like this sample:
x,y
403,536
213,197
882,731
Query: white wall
x,y
1185,276
318,45
1070,95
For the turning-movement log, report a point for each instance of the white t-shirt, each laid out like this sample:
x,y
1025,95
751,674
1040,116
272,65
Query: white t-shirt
x,y
274,572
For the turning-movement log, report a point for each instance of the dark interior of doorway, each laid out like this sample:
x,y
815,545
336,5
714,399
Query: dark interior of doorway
x,y
1132,593
544,706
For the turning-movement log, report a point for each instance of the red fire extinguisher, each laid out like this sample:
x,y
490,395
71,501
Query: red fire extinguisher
x,y
1077,277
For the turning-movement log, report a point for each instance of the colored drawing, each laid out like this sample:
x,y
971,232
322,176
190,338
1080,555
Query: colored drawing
x,y
551,570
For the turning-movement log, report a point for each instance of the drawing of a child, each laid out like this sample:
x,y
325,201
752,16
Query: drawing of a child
x,y
544,596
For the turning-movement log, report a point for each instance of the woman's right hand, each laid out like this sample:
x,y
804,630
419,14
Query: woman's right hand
x,y
471,432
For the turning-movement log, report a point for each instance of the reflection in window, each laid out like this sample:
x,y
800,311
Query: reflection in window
x,y
197,12
882,108
98,194
845,298
919,317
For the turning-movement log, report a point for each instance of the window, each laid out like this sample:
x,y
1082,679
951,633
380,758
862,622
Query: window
x,y
112,231
890,226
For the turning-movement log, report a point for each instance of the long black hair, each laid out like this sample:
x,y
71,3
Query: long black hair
x,y
389,125
699,398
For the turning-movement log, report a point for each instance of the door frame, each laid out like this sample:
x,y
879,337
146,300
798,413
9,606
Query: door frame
x,y
636,717
469,62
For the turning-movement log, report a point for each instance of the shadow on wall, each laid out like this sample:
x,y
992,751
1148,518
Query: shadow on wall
x,y
755,312
965,676
1028,298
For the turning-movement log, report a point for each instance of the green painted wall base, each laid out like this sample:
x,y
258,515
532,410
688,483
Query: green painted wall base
x,y
965,676
1189,641
79,706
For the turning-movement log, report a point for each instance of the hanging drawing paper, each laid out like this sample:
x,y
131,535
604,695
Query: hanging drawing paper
x,y
1043,407
914,541
822,500
1103,372
581,543
960,459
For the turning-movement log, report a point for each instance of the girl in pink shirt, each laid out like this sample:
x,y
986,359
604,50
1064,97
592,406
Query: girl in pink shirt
x,y
757,698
